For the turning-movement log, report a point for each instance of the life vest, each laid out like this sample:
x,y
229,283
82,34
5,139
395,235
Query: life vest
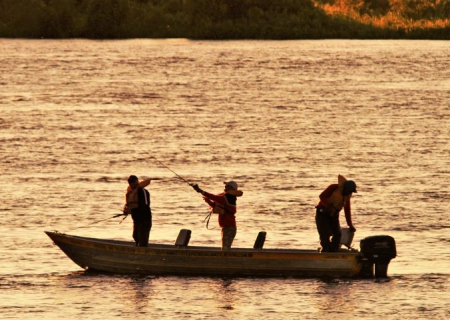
x,y
222,209
132,200
336,202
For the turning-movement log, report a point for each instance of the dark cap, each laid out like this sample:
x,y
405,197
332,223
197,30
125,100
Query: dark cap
x,y
132,178
349,187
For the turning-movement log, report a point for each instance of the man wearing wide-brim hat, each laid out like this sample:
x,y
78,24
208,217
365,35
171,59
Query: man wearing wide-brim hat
x,y
224,205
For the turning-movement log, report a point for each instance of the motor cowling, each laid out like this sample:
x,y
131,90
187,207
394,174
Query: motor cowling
x,y
377,251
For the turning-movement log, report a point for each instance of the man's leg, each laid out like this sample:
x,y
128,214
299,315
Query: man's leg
x,y
135,233
323,228
337,234
144,233
228,234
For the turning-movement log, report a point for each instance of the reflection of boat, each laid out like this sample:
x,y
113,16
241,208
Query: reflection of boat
x,y
180,259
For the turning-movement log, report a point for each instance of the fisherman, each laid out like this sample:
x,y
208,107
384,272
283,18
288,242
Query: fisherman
x,y
224,205
332,200
138,205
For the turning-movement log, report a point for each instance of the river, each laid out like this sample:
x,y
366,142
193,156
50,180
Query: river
x,y
282,118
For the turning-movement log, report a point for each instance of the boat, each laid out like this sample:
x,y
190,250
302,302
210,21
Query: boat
x,y
123,257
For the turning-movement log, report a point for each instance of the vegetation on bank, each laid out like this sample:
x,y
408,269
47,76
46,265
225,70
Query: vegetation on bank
x,y
225,19
418,16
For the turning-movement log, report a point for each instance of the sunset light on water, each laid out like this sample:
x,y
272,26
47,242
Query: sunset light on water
x,y
282,118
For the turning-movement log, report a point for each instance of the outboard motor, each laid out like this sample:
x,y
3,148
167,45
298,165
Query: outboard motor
x,y
378,251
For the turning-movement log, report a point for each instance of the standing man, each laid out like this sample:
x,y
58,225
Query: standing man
x,y
332,200
138,205
224,205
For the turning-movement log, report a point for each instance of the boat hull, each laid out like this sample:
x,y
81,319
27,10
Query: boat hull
x,y
122,257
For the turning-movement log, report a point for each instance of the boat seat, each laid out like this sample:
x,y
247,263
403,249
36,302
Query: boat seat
x,y
183,238
260,239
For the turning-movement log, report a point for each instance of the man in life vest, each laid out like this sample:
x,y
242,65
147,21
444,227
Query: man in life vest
x,y
138,205
332,200
224,205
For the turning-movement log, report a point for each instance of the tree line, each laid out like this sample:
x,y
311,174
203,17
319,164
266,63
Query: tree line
x,y
225,19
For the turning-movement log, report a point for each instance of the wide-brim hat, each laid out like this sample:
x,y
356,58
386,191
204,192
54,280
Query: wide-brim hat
x,y
232,184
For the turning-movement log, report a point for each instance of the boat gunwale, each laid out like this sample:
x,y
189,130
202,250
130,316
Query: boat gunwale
x,y
160,247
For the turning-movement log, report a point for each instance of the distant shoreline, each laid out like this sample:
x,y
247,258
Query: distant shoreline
x,y
222,20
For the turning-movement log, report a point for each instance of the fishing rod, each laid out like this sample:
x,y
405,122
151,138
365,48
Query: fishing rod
x,y
208,217
180,177
97,221
114,216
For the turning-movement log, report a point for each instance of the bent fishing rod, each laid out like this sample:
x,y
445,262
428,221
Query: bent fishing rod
x,y
191,185
180,177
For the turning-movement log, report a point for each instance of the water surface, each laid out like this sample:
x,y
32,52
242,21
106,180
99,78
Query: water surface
x,y
282,118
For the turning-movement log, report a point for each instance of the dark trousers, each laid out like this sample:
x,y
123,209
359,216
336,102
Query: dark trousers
x,y
141,232
328,226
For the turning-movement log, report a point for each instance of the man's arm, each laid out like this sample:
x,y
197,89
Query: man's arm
x,y
144,183
220,198
348,215
211,203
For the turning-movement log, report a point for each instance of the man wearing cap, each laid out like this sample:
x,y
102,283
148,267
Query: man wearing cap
x,y
332,200
224,205
138,205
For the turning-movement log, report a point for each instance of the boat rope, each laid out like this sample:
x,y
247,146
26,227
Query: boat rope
x,y
207,218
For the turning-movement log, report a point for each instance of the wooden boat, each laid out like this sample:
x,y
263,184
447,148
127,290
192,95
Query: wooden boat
x,y
122,257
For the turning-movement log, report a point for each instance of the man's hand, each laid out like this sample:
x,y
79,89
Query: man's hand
x,y
352,228
197,188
